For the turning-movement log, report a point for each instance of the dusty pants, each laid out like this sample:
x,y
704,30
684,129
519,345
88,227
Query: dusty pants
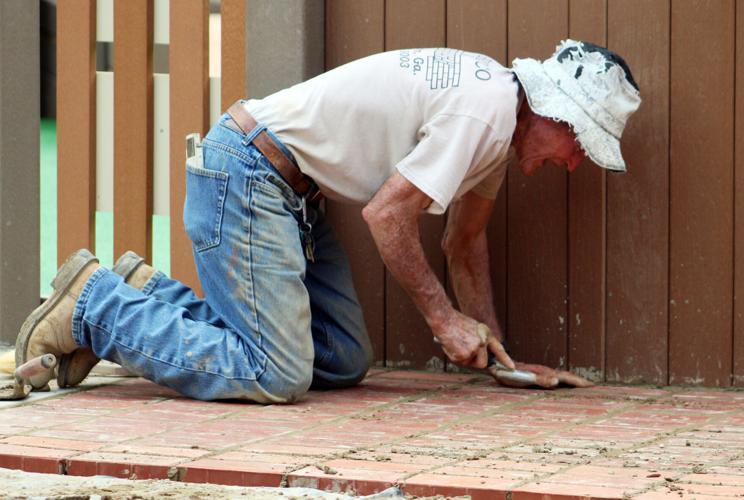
x,y
272,323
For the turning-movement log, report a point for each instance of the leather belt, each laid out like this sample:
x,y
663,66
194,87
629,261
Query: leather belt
x,y
287,168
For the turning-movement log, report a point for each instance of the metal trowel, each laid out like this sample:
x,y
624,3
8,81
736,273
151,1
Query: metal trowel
x,y
519,378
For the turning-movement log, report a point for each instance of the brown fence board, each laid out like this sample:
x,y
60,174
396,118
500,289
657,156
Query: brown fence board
x,y
586,228
636,271
701,192
189,112
76,126
233,35
414,23
637,202
354,30
133,131
480,26
739,209
537,214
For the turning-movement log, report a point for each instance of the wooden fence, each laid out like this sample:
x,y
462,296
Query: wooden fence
x,y
620,277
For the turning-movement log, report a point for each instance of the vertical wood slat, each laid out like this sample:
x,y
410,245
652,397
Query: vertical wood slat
x,y
76,125
637,202
233,36
354,30
133,133
586,228
409,342
738,368
480,26
537,213
701,195
189,112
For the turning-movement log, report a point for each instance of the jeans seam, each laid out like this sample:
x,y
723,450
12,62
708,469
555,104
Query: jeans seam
x,y
77,314
271,187
221,123
330,344
210,143
223,178
286,189
152,282
249,281
170,363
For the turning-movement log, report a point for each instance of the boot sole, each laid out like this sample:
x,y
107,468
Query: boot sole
x,y
67,273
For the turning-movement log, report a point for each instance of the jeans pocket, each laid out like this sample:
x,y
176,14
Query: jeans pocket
x,y
205,200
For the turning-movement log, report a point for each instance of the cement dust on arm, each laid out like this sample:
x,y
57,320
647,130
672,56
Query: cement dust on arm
x,y
392,216
465,246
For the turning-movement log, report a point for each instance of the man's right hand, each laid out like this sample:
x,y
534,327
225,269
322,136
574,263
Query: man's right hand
x,y
392,216
466,342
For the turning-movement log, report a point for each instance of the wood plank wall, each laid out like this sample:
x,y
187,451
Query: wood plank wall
x,y
739,208
481,27
76,126
627,278
537,213
189,83
409,343
133,145
637,237
587,217
701,206
354,30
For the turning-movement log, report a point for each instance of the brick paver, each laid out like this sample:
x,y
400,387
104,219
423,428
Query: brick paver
x,y
448,434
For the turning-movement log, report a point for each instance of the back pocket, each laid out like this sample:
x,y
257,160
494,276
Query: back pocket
x,y
203,209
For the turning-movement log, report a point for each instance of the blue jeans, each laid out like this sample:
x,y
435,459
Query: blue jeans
x,y
272,323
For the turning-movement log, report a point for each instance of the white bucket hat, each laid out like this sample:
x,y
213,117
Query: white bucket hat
x,y
590,88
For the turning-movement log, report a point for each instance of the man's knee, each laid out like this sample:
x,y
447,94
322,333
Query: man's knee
x,y
287,385
347,370
357,373
359,369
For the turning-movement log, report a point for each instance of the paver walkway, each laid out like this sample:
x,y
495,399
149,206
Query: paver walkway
x,y
448,434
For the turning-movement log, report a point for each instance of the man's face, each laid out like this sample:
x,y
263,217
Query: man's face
x,y
542,139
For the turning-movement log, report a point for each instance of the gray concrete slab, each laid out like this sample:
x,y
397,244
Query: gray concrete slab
x,y
285,43
19,163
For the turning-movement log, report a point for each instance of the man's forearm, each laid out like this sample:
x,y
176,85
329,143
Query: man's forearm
x,y
471,279
397,238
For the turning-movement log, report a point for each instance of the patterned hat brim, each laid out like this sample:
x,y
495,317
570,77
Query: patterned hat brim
x,y
547,99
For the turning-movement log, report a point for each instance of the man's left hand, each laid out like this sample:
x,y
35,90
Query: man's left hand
x,y
547,378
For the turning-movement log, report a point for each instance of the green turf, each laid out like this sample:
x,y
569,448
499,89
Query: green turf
x,y
104,220
48,208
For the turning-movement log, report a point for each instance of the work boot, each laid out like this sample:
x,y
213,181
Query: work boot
x,y
48,329
74,367
133,269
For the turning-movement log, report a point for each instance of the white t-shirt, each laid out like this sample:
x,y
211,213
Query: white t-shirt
x,y
443,118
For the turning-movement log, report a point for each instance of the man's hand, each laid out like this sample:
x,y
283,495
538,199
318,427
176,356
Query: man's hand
x,y
467,342
545,377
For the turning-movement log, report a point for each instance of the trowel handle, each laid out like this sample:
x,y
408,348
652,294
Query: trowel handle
x,y
35,366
